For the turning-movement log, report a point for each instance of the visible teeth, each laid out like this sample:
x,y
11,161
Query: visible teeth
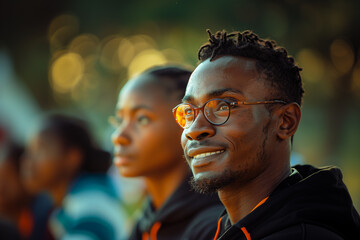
x,y
207,154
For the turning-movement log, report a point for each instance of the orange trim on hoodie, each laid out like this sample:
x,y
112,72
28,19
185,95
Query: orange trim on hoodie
x,y
153,232
145,236
246,233
243,229
154,229
218,229
260,203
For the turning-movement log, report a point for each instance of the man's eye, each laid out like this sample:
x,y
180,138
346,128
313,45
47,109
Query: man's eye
x,y
143,120
188,111
222,107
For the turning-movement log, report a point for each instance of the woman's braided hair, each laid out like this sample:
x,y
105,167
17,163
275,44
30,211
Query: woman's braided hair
x,y
272,60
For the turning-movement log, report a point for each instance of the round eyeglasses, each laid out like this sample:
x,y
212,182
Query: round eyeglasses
x,y
216,111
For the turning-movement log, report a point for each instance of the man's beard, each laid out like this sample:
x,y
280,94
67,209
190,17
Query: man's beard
x,y
212,185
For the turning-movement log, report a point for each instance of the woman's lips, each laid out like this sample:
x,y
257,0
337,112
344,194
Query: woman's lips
x,y
121,160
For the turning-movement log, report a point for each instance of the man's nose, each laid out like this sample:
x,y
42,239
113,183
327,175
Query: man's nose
x,y
201,128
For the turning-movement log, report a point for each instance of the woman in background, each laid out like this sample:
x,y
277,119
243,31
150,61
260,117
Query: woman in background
x,y
147,144
28,212
62,159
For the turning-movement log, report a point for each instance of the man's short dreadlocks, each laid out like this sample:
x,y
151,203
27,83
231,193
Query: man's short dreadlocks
x,y
272,60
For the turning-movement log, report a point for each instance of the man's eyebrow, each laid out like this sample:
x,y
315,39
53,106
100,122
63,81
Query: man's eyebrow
x,y
214,94
187,98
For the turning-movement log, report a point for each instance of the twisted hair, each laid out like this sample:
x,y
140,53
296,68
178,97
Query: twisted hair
x,y
280,68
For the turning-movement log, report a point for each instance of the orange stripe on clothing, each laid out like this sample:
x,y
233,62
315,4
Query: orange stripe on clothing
x,y
145,236
246,233
218,229
25,223
154,229
260,203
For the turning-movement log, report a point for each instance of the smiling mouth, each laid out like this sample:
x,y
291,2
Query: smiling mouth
x,y
201,155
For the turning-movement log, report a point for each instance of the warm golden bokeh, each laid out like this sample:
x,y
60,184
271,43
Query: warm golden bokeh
x,y
144,60
75,68
342,55
312,63
61,30
66,71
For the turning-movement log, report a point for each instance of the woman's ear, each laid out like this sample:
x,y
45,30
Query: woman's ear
x,y
289,120
74,160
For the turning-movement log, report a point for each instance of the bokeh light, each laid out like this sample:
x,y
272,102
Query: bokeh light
x,y
342,55
312,63
84,44
109,57
144,60
126,52
61,30
66,71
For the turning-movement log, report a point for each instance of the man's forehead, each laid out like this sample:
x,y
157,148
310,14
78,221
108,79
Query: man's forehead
x,y
226,63
226,72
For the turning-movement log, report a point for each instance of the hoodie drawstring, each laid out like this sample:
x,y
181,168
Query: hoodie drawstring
x,y
243,229
153,232
218,229
246,233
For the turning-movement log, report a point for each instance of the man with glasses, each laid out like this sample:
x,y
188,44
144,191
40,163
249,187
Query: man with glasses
x,y
240,112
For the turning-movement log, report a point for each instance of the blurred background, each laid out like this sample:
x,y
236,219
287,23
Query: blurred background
x,y
73,56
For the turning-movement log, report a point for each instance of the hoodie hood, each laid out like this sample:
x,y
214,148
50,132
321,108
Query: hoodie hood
x,y
181,206
309,195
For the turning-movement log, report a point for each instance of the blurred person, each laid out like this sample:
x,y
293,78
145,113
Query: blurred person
x,y
29,212
8,230
240,112
147,144
62,159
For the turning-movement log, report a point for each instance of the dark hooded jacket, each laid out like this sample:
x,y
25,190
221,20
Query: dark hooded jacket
x,y
185,215
310,204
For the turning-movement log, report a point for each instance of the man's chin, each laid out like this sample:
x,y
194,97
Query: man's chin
x,y
211,184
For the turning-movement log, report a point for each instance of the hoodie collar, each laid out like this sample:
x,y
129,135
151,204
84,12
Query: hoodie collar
x,y
309,195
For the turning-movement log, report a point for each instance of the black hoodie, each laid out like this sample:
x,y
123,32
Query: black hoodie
x,y
185,215
310,204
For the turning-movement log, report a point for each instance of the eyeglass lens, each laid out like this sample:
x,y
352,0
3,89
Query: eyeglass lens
x,y
216,112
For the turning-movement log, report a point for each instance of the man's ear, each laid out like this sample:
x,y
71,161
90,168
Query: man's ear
x,y
289,120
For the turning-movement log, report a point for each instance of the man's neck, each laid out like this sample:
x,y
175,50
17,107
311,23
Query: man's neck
x,y
240,199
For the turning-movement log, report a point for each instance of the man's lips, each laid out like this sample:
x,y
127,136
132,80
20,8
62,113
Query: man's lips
x,y
201,157
203,151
